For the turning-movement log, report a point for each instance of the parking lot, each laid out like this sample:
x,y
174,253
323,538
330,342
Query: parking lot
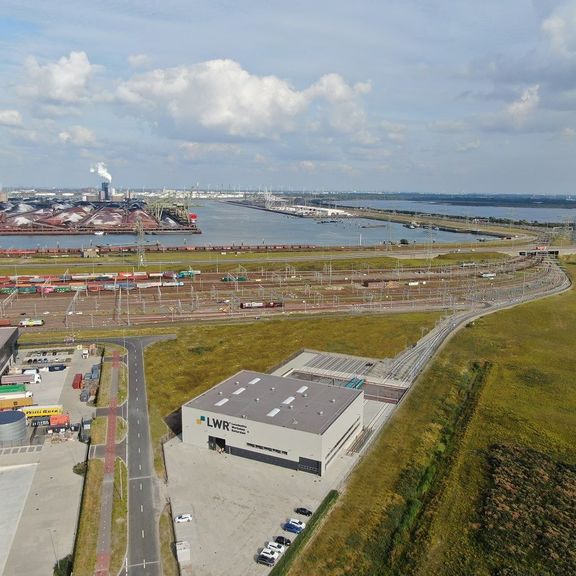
x,y
238,505
41,492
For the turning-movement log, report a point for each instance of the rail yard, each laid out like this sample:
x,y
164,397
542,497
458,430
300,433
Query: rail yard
x,y
82,300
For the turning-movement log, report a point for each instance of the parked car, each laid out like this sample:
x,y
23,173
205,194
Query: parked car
x,y
303,511
183,518
270,553
292,528
298,523
266,560
283,540
276,547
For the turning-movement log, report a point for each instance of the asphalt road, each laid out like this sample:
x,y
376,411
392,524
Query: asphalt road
x,y
143,557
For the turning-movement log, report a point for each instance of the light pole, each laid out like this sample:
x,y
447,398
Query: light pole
x,y
56,559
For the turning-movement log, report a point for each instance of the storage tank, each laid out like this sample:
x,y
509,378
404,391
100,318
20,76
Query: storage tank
x,y
12,427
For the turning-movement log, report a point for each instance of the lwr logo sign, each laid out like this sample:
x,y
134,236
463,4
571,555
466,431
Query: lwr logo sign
x,y
214,423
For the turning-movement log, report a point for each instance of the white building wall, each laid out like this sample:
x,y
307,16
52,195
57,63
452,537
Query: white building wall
x,y
340,428
242,432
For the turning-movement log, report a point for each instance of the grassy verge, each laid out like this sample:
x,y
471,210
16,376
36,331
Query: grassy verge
x,y
103,399
121,428
86,540
119,517
122,385
528,399
201,356
299,543
98,430
167,538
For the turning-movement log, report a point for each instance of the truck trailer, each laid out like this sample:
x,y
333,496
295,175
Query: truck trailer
x,y
21,379
15,404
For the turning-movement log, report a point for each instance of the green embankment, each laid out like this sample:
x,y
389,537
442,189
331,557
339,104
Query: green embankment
x,y
382,525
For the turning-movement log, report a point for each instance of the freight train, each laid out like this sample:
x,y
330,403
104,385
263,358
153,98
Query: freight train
x,y
93,282
261,304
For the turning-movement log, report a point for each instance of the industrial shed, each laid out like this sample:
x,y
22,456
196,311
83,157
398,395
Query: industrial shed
x,y
281,421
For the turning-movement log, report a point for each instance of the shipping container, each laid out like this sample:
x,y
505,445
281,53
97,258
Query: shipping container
x,y
77,382
39,421
12,388
5,322
15,404
59,420
34,411
15,395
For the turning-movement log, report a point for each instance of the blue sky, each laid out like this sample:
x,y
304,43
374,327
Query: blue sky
x,y
393,95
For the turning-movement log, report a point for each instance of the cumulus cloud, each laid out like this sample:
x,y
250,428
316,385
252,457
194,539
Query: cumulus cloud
x,y
560,27
61,82
520,109
569,133
10,118
220,96
139,60
77,135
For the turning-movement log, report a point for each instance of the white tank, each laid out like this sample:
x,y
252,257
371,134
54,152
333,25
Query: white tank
x,y
12,427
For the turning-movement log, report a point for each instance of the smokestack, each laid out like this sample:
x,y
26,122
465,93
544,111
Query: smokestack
x,y
105,194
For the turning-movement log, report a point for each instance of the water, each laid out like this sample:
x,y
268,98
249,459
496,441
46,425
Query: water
x,y
227,224
558,215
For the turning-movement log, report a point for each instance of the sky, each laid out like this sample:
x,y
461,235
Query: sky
x,y
372,95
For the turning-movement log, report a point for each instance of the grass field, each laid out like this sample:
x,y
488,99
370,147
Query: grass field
x,y
86,540
528,399
178,370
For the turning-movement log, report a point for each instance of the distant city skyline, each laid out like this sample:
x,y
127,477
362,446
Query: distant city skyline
x,y
398,96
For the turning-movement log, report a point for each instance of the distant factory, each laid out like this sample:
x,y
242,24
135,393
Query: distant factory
x,y
59,216
98,212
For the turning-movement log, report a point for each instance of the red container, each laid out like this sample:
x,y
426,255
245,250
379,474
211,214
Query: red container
x,y
59,420
77,382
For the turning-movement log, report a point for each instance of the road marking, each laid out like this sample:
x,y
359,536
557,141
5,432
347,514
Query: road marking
x,y
138,450
138,421
143,537
141,507
140,485
138,434
139,466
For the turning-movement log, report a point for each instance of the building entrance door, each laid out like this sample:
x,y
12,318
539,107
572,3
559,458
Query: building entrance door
x,y
218,444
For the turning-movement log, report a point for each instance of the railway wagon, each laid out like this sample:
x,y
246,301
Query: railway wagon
x,y
274,304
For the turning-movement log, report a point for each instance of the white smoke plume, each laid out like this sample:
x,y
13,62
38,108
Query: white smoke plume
x,y
100,169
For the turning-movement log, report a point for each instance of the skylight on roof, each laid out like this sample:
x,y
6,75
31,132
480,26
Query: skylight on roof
x,y
302,389
239,391
289,400
221,402
254,381
273,413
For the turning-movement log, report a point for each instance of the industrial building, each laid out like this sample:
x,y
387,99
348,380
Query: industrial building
x,y
281,421
8,341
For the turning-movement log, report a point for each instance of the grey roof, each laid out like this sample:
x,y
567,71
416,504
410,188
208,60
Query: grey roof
x,y
6,334
287,402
